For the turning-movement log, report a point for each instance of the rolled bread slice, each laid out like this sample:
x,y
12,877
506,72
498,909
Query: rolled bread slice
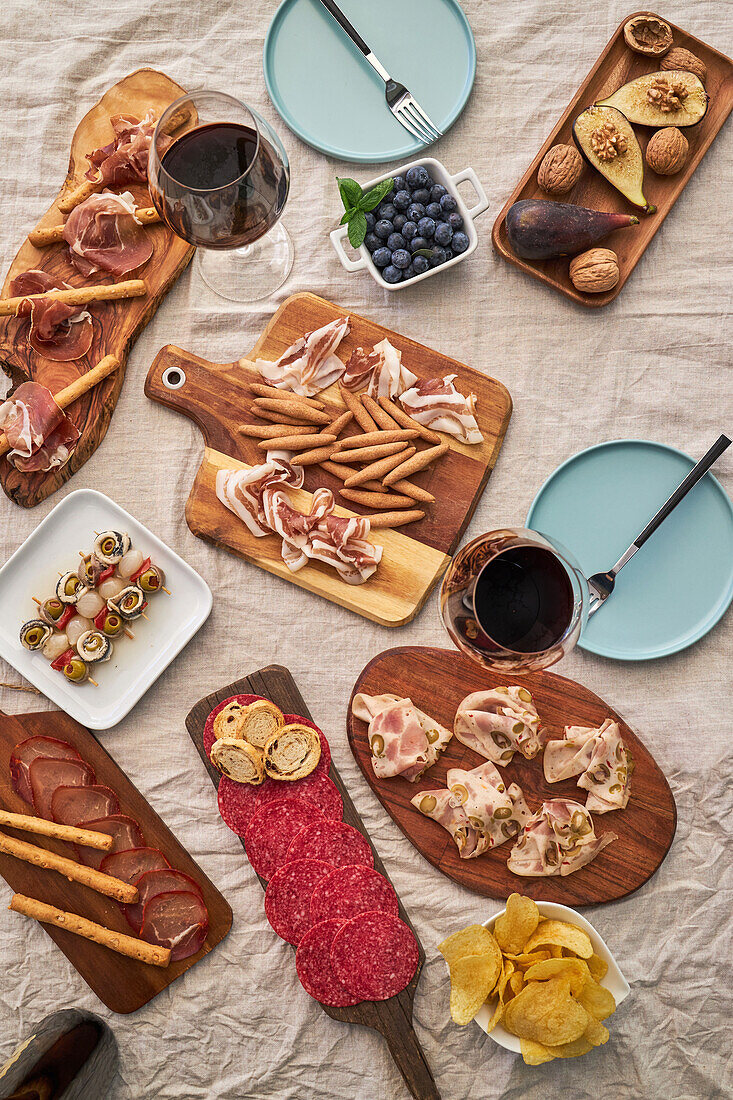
x,y
225,723
293,752
238,760
259,721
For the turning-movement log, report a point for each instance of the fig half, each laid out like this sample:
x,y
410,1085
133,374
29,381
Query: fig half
x,y
670,97
607,141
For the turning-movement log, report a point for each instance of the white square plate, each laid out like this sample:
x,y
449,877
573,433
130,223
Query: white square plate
x,y
136,663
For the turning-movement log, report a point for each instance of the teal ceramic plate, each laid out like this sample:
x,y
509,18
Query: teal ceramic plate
x,y
329,95
677,587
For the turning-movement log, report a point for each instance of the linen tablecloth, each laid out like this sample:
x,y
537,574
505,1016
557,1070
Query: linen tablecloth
x,y
654,364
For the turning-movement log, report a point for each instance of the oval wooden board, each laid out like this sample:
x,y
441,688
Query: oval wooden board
x,y
116,324
437,680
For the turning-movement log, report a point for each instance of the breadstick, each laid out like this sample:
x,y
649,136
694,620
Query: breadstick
x,y
296,442
80,296
80,926
383,419
342,472
337,426
377,500
73,197
370,438
272,431
370,454
414,491
53,233
313,458
291,408
103,841
394,519
49,861
361,416
261,390
393,409
413,465
278,418
376,470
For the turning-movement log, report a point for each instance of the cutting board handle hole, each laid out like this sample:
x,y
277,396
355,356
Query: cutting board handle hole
x,y
173,378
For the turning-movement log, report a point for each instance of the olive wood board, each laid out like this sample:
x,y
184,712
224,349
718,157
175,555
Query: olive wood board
x,y
392,1018
121,983
116,324
616,66
437,680
216,397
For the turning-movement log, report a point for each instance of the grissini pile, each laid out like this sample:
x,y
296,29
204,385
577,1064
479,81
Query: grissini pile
x,y
361,416
262,390
291,408
377,413
377,470
417,462
371,454
274,431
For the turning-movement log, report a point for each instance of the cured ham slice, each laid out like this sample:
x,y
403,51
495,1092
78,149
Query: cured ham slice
x,y
499,723
309,365
381,368
57,331
404,740
436,403
125,158
152,883
103,234
29,750
125,831
40,434
130,863
558,840
177,920
601,759
76,805
47,774
497,812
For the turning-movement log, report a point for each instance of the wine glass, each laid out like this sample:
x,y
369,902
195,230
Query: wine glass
x,y
514,600
219,177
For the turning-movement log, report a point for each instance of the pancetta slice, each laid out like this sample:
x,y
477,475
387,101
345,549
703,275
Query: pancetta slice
x,y
381,368
104,234
497,812
404,740
440,806
499,723
125,158
57,331
309,365
559,839
601,759
40,434
436,403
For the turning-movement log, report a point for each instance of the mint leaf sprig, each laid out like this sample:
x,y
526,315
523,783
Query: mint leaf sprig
x,y
357,205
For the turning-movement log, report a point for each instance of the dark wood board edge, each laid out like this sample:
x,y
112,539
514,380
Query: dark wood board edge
x,y
392,1018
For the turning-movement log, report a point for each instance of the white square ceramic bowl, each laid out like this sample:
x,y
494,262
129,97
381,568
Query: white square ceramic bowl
x,y
441,175
613,980
136,663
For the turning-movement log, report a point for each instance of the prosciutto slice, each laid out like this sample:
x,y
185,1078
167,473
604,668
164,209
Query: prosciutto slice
x,y
256,495
558,840
404,740
29,750
47,773
57,331
499,723
125,158
381,368
497,812
441,807
436,403
309,365
40,434
177,919
601,759
104,234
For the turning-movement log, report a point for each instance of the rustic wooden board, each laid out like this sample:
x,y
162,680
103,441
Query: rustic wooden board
x,y
616,66
116,324
216,398
122,984
437,680
392,1018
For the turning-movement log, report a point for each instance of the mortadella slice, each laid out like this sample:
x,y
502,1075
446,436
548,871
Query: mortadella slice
x,y
47,774
177,920
29,750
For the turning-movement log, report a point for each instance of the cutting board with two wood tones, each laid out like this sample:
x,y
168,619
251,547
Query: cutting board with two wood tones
x,y
122,984
116,324
437,680
216,397
392,1018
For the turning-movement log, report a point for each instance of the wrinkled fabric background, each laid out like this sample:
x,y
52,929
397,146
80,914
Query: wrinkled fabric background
x,y
655,364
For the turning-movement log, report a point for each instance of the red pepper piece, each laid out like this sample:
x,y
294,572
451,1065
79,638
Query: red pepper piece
x,y
101,618
65,617
64,659
145,565
105,575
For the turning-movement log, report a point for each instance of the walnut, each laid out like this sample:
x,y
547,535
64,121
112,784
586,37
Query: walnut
x,y
666,95
608,142
666,153
686,61
595,270
648,34
560,170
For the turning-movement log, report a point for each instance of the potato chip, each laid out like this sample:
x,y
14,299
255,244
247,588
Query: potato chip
x,y
546,1013
555,951
474,940
516,981
574,969
559,934
598,967
596,1033
528,959
513,928
597,1001
535,1054
573,1049
495,1016
471,980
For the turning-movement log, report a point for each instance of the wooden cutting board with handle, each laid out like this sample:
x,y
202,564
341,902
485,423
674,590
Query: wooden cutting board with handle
x,y
437,680
392,1018
216,397
116,324
122,984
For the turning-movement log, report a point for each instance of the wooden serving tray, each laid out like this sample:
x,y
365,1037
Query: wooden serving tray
x,y
437,680
116,324
122,984
215,396
618,65
391,1018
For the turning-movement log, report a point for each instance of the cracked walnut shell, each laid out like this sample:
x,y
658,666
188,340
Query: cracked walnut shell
x,y
648,34
678,58
560,169
666,153
595,271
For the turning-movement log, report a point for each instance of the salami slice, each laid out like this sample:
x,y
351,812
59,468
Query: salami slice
x,y
209,735
177,920
374,955
313,963
272,829
332,841
149,884
75,805
130,863
288,897
325,761
125,831
47,773
348,891
26,752
318,788
238,802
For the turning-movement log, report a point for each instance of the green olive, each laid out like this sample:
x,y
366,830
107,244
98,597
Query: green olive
x,y
460,792
476,822
149,581
34,637
518,727
507,755
524,695
620,751
76,670
112,625
580,823
72,586
53,608
432,736
428,804
552,855
108,545
502,813
615,788
500,739
510,828
377,744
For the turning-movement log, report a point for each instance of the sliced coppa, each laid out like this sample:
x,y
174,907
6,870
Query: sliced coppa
x,y
177,920
47,774
125,831
325,761
29,750
130,863
209,735
313,963
271,830
75,805
288,897
348,891
149,884
332,841
374,955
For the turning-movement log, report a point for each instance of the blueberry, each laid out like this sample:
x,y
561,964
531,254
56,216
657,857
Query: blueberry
x,y
402,199
417,177
432,210
420,264
409,230
398,182
395,241
421,195
389,197
382,256
401,258
443,234
459,242
383,228
409,272
418,242
386,211
391,274
398,221
438,257
371,222
426,228
449,253
415,211
372,241
455,221
448,204
437,191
